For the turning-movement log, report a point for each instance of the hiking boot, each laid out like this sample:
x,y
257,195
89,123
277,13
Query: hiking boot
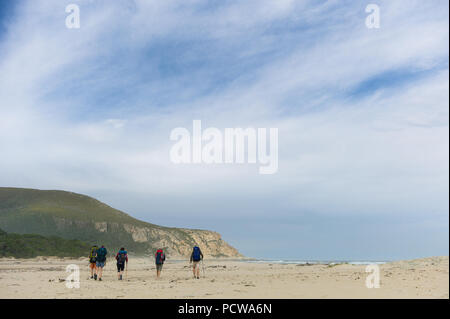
x,y
120,277
92,277
99,279
95,276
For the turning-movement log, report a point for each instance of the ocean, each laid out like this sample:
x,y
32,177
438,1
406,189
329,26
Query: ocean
x,y
313,262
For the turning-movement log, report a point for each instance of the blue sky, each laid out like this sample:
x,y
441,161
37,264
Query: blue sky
x,y
362,116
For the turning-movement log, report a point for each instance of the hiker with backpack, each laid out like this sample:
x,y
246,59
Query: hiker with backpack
x,y
100,262
160,257
122,258
92,261
196,257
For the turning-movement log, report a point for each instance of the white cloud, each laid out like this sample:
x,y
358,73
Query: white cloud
x,y
385,152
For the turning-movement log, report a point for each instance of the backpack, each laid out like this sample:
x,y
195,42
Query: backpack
x,y
159,257
196,256
121,257
92,258
101,254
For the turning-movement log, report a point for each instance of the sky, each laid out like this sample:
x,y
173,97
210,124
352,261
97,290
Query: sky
x,y
362,117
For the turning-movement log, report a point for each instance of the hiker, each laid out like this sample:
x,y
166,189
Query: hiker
x,y
100,262
160,257
196,257
122,258
92,261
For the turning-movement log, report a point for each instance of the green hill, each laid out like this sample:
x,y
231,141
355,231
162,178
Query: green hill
x,y
29,246
74,216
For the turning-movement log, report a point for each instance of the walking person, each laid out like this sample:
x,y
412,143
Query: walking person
x,y
100,262
122,259
196,258
92,261
160,257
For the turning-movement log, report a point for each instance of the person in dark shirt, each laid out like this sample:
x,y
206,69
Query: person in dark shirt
x,y
160,257
122,259
100,261
196,257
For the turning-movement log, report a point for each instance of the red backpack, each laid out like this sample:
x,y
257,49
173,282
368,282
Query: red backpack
x,y
159,256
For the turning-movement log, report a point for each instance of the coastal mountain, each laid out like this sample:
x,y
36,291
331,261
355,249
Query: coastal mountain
x,y
30,246
74,216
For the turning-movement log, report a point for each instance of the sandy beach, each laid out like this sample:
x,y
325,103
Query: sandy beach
x,y
45,278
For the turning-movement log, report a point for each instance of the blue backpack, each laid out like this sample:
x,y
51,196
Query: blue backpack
x,y
101,254
196,254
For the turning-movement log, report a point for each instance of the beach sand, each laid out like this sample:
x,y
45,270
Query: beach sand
x,y
44,278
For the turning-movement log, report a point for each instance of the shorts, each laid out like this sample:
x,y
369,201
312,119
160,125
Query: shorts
x,y
195,264
92,265
120,267
100,264
159,267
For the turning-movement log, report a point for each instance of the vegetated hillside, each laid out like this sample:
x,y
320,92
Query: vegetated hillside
x,y
29,246
74,216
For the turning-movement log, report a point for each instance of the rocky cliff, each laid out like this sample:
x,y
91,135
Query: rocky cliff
x,y
75,216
